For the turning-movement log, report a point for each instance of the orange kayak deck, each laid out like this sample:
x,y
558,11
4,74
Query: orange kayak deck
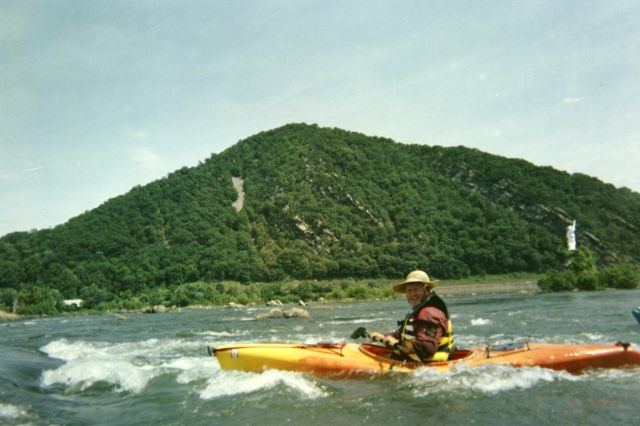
x,y
350,359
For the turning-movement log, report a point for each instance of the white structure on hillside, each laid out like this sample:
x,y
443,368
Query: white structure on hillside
x,y
72,302
571,236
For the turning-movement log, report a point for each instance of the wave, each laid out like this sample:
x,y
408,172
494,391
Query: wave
x,y
222,333
130,366
351,321
12,412
81,375
480,321
222,383
127,366
229,383
89,363
491,379
191,369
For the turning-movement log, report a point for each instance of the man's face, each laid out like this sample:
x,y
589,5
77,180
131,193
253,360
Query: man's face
x,y
415,294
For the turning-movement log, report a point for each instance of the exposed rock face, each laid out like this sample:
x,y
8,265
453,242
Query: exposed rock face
x,y
238,185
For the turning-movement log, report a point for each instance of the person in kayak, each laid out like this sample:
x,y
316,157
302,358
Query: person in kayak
x,y
425,334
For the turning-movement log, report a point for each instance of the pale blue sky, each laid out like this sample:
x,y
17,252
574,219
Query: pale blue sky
x,y
99,96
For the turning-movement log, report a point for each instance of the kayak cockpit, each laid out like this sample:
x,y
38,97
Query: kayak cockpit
x,y
384,354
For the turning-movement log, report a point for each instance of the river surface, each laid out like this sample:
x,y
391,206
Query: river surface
x,y
154,369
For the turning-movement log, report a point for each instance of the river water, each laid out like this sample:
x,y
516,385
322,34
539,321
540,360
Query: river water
x,y
154,369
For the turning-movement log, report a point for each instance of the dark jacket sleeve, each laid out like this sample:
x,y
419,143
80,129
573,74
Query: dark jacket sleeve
x,y
429,325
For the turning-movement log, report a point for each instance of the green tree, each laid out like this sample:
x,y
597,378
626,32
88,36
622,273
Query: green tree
x,y
624,276
558,281
588,281
93,296
582,260
36,300
8,299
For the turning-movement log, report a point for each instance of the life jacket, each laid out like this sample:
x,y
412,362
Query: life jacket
x,y
407,333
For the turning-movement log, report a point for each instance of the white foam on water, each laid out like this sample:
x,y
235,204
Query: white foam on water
x,y
491,379
69,351
12,412
595,337
618,375
577,339
229,383
129,366
474,340
496,336
353,321
191,369
84,373
222,333
480,321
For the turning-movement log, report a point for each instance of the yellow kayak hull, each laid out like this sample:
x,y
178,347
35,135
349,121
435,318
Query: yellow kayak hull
x,y
349,359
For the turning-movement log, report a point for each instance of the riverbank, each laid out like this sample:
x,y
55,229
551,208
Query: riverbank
x,y
511,287
8,316
353,290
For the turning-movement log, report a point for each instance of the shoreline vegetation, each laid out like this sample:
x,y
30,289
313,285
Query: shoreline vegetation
x,y
229,294
34,301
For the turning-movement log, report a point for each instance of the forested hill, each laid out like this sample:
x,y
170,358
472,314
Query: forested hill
x,y
328,203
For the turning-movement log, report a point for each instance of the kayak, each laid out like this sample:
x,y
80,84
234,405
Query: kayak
x,y
636,313
351,359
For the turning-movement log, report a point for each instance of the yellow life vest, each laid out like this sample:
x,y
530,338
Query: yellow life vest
x,y
407,333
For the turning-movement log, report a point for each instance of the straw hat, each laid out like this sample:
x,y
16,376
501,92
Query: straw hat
x,y
415,277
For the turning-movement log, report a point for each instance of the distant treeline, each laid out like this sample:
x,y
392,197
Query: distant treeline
x,y
36,300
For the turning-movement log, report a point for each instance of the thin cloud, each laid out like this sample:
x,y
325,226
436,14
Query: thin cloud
x,y
33,169
571,101
145,157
